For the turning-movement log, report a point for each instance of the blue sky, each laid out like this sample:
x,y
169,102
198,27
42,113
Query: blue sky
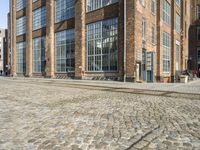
x,y
4,9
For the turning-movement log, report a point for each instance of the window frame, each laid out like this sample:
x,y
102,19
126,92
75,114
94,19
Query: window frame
x,y
93,53
101,5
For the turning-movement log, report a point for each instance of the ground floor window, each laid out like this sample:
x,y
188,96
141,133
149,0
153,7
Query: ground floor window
x,y
39,55
102,46
65,51
177,55
198,55
21,57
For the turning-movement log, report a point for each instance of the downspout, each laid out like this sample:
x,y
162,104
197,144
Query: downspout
x,y
125,15
10,28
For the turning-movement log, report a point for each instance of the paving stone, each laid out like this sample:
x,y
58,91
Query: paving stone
x,y
51,114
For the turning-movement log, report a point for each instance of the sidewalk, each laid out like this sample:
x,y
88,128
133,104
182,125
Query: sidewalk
x,y
191,87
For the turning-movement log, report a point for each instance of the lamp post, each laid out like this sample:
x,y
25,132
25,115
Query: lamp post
x,y
125,40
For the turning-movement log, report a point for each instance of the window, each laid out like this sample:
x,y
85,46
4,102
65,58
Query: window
x,y
102,46
198,33
39,55
21,26
144,29
65,9
198,12
186,29
21,57
178,2
177,55
153,34
96,4
166,52
166,12
178,23
39,18
65,51
143,2
198,55
20,4
153,7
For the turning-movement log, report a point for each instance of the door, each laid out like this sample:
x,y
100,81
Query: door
x,y
138,72
150,66
144,71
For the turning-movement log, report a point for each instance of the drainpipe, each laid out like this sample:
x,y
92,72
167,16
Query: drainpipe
x,y
10,28
125,40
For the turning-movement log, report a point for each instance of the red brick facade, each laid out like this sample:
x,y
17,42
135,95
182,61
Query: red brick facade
x,y
137,49
194,41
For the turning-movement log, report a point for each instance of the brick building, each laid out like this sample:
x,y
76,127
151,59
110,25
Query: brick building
x,y
87,39
194,51
3,48
8,51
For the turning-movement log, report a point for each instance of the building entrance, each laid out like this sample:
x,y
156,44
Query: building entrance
x,y
150,66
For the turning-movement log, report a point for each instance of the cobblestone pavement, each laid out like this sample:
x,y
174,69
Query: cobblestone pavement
x,y
58,115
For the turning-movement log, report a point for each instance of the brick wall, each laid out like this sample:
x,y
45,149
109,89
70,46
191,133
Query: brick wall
x,y
136,12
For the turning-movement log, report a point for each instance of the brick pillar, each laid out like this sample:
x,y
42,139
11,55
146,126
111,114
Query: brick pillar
x,y
173,41
121,40
130,45
80,39
159,51
50,44
13,37
29,58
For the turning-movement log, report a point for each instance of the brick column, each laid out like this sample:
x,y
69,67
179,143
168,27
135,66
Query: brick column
x,y
121,40
80,41
130,38
159,51
29,58
173,42
50,44
13,37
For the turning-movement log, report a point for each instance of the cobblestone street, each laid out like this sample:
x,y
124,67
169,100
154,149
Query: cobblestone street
x,y
89,115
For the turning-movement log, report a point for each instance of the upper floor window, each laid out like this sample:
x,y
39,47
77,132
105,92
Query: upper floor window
x,y
153,34
39,18
198,12
65,9
143,2
178,23
166,52
20,4
144,24
178,2
153,7
166,12
21,26
198,33
96,4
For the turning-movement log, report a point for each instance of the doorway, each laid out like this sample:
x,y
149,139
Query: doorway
x,y
150,66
